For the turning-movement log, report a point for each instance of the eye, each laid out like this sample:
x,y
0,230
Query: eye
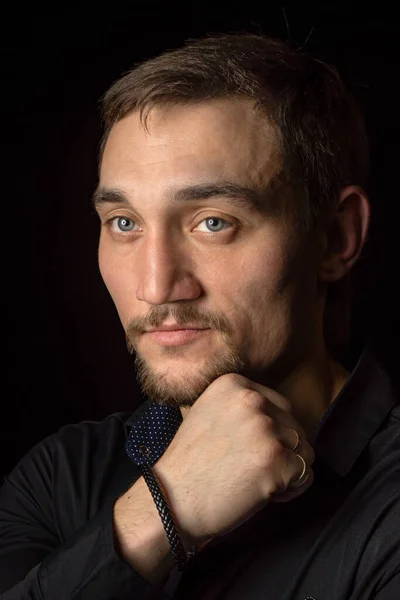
x,y
122,224
214,225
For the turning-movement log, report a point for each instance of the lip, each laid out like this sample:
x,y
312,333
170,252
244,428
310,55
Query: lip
x,y
174,328
175,336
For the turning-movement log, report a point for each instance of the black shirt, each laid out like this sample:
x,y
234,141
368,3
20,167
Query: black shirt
x,y
340,540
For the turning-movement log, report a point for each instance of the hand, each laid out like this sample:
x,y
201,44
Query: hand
x,y
230,457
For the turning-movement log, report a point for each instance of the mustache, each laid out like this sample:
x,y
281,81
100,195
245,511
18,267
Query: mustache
x,y
180,314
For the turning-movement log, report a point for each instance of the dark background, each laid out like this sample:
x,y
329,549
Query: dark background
x,y
65,358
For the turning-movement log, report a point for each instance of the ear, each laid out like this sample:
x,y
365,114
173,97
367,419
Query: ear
x,y
346,235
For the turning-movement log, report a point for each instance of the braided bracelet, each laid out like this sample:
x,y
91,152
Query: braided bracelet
x,y
175,542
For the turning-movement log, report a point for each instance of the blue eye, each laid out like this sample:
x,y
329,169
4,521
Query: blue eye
x,y
123,224
214,224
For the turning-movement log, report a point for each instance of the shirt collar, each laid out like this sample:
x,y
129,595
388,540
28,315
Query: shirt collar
x,y
344,431
355,415
152,432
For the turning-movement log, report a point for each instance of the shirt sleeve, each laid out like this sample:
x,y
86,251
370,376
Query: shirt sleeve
x,y
36,565
391,591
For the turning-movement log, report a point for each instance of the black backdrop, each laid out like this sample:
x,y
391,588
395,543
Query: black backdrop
x,y
65,358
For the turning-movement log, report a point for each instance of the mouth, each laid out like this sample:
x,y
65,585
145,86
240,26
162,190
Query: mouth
x,y
175,335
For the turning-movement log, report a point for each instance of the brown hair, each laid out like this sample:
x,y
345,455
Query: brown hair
x,y
321,132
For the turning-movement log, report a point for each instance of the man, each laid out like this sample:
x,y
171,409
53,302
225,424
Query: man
x,y
232,207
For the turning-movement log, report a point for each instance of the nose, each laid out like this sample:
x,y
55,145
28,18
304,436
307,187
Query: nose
x,y
164,272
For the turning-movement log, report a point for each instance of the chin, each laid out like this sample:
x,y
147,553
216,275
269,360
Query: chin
x,y
180,385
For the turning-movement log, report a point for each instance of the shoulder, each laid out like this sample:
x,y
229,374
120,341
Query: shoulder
x,y
70,475
77,436
76,439
70,444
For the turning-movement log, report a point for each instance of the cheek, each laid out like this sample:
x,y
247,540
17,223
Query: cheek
x,y
106,267
252,285
259,292
120,284
262,274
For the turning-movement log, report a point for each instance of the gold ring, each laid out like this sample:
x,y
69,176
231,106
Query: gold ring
x,y
299,482
297,445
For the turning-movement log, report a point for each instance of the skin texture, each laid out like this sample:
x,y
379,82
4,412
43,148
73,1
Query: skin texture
x,y
260,273
253,285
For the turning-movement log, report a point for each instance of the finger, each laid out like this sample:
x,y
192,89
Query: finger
x,y
272,395
290,438
294,472
302,478
277,406
295,435
290,494
297,444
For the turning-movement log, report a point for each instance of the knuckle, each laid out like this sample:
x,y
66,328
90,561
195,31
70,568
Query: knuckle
x,y
252,398
274,459
230,380
234,378
270,488
274,453
278,450
225,378
269,425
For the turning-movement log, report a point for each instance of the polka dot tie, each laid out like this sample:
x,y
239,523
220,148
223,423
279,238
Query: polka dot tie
x,y
152,433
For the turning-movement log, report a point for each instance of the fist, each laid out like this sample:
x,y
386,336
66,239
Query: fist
x,y
238,448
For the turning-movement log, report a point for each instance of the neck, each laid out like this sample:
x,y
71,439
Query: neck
x,y
311,387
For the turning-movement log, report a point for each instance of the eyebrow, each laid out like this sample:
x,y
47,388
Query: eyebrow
x,y
238,195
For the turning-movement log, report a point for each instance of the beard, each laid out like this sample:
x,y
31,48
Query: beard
x,y
167,386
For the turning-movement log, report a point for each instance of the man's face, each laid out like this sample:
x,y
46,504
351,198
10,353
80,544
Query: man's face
x,y
198,234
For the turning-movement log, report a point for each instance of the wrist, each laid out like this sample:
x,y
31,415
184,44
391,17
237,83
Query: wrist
x,y
191,544
139,535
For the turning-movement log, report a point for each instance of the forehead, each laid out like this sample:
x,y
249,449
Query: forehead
x,y
222,139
